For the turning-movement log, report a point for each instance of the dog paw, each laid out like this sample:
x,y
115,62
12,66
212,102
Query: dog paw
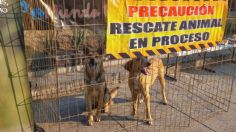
x,y
165,102
150,122
90,122
133,113
97,118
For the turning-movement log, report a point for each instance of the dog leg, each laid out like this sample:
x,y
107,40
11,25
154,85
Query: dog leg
x,y
134,94
99,109
135,103
107,104
146,95
89,110
163,86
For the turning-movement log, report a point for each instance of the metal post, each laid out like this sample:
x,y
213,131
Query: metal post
x,y
168,66
232,57
176,67
167,63
204,64
204,61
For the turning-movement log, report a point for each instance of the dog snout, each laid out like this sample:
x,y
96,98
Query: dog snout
x,y
93,61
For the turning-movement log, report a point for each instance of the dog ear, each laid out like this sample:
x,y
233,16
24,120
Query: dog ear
x,y
128,65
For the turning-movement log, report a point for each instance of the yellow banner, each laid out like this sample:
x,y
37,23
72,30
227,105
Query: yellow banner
x,y
146,27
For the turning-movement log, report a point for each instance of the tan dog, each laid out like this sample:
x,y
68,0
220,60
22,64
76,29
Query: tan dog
x,y
97,94
142,74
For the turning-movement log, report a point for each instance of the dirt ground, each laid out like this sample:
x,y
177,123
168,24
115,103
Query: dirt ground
x,y
223,122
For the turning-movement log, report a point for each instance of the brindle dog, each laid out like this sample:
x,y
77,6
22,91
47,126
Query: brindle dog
x,y
96,92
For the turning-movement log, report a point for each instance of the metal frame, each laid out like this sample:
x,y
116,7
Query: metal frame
x,y
56,78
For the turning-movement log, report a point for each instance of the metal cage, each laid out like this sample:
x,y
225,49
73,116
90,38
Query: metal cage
x,y
199,83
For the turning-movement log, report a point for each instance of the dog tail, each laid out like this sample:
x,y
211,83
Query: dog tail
x,y
109,95
114,92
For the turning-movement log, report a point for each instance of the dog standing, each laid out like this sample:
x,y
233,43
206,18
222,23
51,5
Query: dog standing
x,y
142,74
96,92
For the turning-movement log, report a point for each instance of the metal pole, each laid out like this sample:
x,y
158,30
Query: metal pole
x,y
232,58
176,67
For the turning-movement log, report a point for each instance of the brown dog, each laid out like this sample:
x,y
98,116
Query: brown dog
x,y
97,94
142,74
